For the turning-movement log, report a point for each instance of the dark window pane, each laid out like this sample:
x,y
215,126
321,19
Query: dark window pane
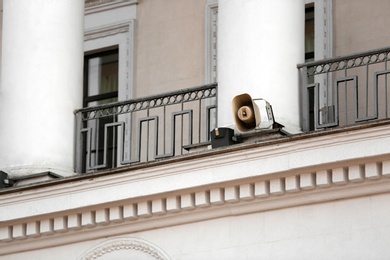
x,y
309,34
101,78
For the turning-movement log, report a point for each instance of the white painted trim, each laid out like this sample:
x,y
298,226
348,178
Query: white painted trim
x,y
323,22
211,8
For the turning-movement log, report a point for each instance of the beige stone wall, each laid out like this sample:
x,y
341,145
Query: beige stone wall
x,y
360,25
169,46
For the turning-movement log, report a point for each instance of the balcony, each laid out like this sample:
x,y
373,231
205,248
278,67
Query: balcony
x,y
345,90
145,129
334,93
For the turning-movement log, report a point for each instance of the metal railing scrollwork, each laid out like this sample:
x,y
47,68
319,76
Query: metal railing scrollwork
x,y
144,129
345,90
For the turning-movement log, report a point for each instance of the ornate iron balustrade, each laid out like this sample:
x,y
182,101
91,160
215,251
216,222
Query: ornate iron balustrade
x,y
144,129
345,90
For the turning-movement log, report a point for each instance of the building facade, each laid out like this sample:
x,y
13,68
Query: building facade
x,y
119,138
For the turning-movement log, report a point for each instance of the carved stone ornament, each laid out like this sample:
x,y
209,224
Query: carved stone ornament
x,y
125,248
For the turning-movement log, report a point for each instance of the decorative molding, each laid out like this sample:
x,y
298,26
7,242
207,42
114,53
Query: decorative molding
x,y
328,31
95,6
89,3
112,29
125,244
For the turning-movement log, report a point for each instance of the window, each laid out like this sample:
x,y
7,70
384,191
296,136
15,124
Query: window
x,y
309,56
101,87
101,78
309,34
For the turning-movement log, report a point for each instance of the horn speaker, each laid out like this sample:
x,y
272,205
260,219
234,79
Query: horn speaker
x,y
246,113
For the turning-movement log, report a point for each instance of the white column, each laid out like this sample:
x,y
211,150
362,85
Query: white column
x,y
259,45
41,85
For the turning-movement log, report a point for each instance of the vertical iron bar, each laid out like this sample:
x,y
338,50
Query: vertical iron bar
x,y
181,129
173,134
78,144
200,119
386,53
164,128
357,113
115,141
356,96
316,104
190,126
105,147
345,98
114,146
96,122
336,104
147,135
139,140
327,101
216,105
122,143
345,102
208,116
386,106
89,152
305,124
131,136
147,140
155,137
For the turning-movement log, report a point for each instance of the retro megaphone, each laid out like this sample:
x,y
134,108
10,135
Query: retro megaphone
x,y
246,113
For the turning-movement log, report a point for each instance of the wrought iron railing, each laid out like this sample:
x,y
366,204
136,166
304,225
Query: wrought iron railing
x,y
345,90
144,129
